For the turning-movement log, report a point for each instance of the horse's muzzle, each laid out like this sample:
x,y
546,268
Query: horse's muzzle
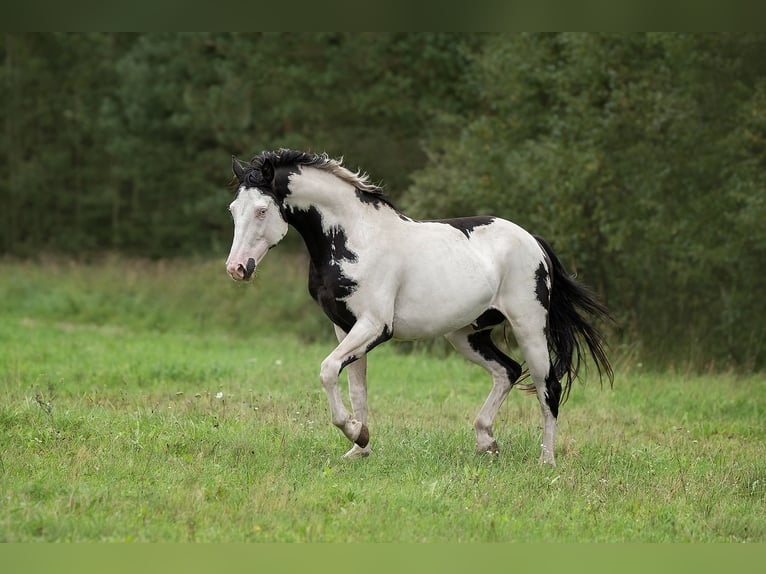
x,y
241,272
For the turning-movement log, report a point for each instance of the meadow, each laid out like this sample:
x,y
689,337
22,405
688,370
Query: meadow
x,y
160,401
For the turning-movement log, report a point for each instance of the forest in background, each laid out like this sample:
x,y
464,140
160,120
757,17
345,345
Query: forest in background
x,y
640,157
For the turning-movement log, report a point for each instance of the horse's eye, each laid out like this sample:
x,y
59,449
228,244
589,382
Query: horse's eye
x,y
261,212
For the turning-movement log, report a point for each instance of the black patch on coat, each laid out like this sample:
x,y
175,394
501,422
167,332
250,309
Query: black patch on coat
x,y
467,224
382,338
328,285
553,392
350,359
385,335
541,287
280,186
482,343
376,199
489,318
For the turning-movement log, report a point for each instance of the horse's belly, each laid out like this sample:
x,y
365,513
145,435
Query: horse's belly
x,y
418,326
440,304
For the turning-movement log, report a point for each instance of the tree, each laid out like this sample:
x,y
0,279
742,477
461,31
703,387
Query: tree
x,y
630,153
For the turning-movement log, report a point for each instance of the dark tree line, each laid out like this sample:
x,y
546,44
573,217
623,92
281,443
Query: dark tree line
x,y
641,157
123,142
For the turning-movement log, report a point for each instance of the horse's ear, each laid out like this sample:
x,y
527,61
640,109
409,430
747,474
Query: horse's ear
x,y
238,167
267,171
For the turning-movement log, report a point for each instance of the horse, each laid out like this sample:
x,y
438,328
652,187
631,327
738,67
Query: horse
x,y
379,275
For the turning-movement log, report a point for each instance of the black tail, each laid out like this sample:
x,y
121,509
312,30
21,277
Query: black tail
x,y
572,308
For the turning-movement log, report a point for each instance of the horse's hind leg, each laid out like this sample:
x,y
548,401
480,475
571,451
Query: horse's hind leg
x,y
478,347
357,394
530,335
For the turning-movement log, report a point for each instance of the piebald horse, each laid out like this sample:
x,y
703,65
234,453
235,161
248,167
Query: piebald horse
x,y
378,274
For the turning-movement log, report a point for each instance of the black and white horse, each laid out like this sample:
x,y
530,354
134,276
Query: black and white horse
x,y
378,274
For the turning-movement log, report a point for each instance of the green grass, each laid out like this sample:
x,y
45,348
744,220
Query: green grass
x,y
161,402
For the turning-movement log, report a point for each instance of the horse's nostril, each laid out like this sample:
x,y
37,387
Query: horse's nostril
x,y
235,270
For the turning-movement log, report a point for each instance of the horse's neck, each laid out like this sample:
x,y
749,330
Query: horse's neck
x,y
327,218
334,198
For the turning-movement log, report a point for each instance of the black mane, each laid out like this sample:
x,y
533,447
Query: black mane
x,y
287,158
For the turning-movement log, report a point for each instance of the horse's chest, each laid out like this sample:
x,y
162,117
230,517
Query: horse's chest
x,y
330,288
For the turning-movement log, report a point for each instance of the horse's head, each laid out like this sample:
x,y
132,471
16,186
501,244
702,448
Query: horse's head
x,y
258,222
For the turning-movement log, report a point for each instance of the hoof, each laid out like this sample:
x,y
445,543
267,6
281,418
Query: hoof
x,y
364,437
358,452
492,448
546,457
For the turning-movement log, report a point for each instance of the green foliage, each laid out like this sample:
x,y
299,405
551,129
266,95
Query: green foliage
x,y
159,296
639,156
116,141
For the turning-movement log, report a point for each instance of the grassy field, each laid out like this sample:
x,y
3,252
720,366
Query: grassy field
x,y
162,402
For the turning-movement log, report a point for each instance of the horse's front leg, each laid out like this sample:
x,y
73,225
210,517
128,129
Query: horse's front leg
x,y
360,339
357,393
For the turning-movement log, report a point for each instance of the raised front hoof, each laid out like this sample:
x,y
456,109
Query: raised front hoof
x,y
364,437
358,452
